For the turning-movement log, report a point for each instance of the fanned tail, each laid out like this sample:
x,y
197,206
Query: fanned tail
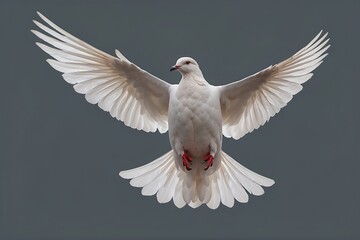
x,y
169,180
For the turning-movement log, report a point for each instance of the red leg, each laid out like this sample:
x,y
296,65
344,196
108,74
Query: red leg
x,y
209,159
186,161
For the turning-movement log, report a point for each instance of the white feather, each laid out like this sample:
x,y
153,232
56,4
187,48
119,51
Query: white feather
x,y
163,178
274,85
81,63
195,112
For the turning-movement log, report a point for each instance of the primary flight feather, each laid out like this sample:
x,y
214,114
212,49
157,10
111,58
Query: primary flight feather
x,y
195,171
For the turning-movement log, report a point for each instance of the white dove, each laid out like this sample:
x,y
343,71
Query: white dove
x,y
195,171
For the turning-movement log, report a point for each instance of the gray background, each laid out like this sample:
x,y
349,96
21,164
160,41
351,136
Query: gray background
x,y
60,156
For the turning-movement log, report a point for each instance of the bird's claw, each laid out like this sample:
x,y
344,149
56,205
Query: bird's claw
x,y
209,159
186,161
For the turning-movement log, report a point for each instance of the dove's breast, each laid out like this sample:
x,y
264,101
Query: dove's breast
x,y
195,121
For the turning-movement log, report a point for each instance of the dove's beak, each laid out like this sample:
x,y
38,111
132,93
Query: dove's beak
x,y
174,68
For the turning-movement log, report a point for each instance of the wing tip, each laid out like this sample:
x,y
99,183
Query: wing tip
x,y
322,33
269,182
121,56
50,61
123,174
39,44
321,30
272,182
41,15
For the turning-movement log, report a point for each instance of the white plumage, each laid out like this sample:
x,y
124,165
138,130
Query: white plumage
x,y
195,171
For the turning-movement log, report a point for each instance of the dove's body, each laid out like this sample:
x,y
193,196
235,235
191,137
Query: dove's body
x,y
196,114
195,119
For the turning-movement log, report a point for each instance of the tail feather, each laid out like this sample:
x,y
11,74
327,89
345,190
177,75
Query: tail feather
x,y
166,192
178,196
243,181
195,204
148,177
226,195
257,178
153,187
214,201
136,172
189,191
237,189
204,190
167,180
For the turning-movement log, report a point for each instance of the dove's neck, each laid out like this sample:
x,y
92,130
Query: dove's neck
x,y
194,77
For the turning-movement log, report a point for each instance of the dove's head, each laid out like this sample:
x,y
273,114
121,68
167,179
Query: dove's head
x,y
186,65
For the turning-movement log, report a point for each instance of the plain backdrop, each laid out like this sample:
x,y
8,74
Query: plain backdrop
x,y
60,156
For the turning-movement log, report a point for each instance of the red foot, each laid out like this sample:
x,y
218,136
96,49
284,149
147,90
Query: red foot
x,y
209,159
186,161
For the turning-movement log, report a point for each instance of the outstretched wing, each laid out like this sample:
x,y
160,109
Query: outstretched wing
x,y
249,103
118,86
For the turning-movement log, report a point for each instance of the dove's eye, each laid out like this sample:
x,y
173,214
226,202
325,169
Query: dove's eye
x,y
187,62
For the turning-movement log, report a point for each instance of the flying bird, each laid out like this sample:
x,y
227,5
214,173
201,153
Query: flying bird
x,y
195,113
